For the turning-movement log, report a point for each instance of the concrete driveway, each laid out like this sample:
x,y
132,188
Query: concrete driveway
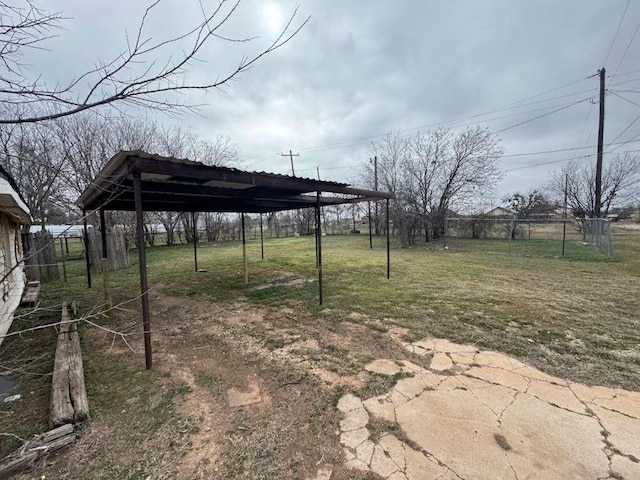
x,y
481,415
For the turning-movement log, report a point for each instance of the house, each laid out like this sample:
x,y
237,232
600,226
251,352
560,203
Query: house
x,y
499,212
14,214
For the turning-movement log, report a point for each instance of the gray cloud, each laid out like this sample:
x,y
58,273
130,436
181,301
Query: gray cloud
x,y
362,68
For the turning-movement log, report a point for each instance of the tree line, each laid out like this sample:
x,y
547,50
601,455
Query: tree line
x,y
446,173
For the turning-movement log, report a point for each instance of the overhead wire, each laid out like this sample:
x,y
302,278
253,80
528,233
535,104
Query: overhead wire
x,y
615,35
517,104
453,122
626,50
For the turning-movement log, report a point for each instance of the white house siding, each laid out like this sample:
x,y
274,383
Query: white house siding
x,y
12,274
13,214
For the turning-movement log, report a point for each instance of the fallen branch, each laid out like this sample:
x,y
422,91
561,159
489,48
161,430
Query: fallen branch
x,y
37,448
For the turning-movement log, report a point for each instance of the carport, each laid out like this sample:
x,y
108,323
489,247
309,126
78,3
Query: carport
x,y
139,181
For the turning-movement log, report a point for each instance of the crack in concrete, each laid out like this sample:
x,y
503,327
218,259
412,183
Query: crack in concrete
x,y
613,410
608,447
520,382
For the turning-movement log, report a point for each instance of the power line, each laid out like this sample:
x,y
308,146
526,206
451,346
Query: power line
x,y
512,155
626,50
450,123
628,126
615,36
543,115
623,98
550,162
510,106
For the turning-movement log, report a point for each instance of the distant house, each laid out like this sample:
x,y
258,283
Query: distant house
x,y
499,212
14,213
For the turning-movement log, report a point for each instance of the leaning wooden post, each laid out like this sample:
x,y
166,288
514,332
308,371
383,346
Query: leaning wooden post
x,y
195,245
105,258
86,246
64,263
245,271
261,239
319,245
142,260
388,244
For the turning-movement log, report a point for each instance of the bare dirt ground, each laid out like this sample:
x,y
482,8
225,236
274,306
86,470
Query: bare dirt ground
x,y
247,392
258,389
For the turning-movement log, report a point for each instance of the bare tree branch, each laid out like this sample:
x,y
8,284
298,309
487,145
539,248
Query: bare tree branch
x,y
110,82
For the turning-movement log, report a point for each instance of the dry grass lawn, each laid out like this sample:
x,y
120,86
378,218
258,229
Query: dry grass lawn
x,y
575,318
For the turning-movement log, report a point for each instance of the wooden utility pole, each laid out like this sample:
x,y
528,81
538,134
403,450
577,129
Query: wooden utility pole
x,y
564,212
291,155
598,200
375,180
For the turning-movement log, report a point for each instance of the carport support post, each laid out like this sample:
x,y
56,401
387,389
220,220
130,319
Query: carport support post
x,y
245,272
319,246
142,260
86,246
388,244
261,239
195,241
105,258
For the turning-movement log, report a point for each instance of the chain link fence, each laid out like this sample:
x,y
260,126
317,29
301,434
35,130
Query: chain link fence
x,y
534,236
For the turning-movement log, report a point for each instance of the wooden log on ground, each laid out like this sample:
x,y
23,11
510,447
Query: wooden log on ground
x,y
77,390
69,401
38,447
61,411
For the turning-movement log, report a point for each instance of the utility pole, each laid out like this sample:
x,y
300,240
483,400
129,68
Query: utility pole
x,y
375,182
291,155
598,203
564,212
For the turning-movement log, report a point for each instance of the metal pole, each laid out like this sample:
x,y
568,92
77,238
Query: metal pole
x,y
261,239
319,246
370,234
103,234
66,244
317,259
564,212
86,247
142,260
195,241
388,244
105,256
64,263
245,272
375,180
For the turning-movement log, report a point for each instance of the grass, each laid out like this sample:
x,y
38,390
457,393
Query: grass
x,y
575,317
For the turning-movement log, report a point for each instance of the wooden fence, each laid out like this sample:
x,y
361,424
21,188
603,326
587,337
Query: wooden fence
x,y
117,250
41,262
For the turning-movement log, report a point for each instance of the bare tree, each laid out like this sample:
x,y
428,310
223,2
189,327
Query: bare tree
x,y
143,74
432,173
33,157
620,184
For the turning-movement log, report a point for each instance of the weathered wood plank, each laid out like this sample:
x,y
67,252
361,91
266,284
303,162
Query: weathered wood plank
x,y
77,388
31,294
61,411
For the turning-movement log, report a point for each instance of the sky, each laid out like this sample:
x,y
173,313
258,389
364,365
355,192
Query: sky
x,y
360,69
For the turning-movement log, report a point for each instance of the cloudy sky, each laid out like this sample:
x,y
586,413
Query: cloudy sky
x,y
360,69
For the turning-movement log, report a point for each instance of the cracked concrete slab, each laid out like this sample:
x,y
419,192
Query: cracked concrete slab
x,y
476,415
